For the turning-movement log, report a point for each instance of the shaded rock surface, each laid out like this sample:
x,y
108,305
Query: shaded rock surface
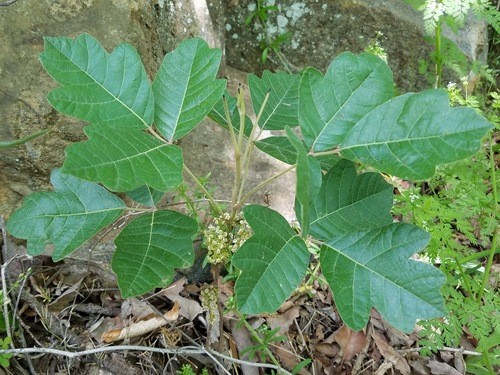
x,y
322,29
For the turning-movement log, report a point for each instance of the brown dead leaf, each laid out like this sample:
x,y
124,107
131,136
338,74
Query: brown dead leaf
x,y
441,368
289,359
330,350
189,309
283,321
141,327
319,334
351,342
418,367
65,299
390,354
132,307
175,288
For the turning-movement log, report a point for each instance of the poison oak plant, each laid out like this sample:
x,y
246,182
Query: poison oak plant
x,y
349,115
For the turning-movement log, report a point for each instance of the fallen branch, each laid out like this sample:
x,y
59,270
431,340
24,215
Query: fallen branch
x,y
444,349
186,351
9,2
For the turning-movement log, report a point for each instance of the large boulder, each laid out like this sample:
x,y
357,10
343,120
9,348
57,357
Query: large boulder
x,y
321,30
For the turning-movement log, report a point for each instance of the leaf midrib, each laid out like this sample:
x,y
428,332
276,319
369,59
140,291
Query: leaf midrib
x,y
343,104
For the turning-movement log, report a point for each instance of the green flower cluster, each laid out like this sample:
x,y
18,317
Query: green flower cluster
x,y
209,297
224,237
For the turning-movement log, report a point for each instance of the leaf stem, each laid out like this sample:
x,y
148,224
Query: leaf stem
x,y
464,276
243,113
489,263
324,153
261,111
211,200
439,56
229,122
18,142
247,156
478,255
139,209
259,340
282,59
263,184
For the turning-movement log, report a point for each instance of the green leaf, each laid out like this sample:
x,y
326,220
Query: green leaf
x,y
67,217
124,161
279,147
348,202
218,114
149,249
146,195
98,87
112,92
308,180
185,88
371,268
330,105
411,134
281,108
273,262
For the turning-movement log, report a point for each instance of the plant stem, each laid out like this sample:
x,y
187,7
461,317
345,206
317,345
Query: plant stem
x,y
238,161
492,250
247,156
259,340
282,59
243,115
139,209
229,122
464,277
263,184
17,142
211,200
478,255
324,153
439,56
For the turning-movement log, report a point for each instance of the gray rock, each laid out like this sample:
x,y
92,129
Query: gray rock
x,y
323,29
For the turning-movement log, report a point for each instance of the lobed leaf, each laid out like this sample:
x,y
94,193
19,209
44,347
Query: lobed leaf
x,y
273,262
330,105
281,108
149,248
98,87
370,268
124,161
66,217
412,133
348,202
185,88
